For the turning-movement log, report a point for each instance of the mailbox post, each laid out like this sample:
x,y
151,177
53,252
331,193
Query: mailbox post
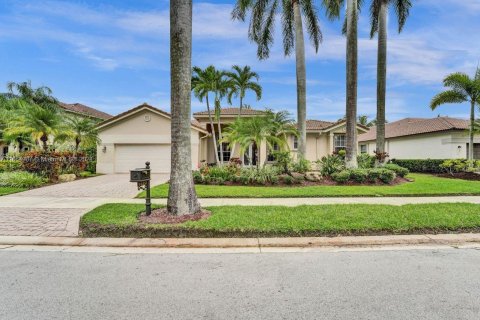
x,y
142,177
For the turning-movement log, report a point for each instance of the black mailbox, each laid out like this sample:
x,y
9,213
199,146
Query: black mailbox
x,y
139,175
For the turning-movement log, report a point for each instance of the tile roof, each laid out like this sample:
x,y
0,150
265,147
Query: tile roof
x,y
318,124
194,122
85,110
232,111
413,126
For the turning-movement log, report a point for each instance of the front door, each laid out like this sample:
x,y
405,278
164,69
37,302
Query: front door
x,y
250,157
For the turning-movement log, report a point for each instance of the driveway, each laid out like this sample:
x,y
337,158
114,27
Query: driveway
x,y
105,186
56,210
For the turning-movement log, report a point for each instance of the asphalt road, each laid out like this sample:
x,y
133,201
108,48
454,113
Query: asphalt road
x,y
414,284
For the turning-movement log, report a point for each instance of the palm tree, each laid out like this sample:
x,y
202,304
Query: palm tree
x,y
350,28
462,88
262,29
379,13
41,96
182,198
82,131
273,128
222,85
242,80
38,122
203,83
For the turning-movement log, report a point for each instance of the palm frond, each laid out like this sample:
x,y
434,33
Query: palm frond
x,y
449,96
287,27
313,23
402,9
374,15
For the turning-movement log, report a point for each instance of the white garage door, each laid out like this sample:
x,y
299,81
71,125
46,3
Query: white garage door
x,y
131,156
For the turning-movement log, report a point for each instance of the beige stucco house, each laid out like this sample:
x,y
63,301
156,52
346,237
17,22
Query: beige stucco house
x,y
71,109
143,134
421,138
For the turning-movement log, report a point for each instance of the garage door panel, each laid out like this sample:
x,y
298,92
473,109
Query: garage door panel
x,y
128,157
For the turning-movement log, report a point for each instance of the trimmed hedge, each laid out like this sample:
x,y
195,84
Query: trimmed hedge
x,y
421,165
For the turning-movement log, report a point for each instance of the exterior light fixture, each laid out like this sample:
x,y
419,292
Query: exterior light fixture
x,y
104,149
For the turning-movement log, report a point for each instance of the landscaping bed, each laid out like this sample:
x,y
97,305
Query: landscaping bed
x,y
122,220
472,176
421,185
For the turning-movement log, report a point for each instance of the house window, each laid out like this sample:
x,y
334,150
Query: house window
x,y
339,142
226,152
295,143
275,148
363,148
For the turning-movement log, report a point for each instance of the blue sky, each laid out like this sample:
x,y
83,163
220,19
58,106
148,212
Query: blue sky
x,y
113,55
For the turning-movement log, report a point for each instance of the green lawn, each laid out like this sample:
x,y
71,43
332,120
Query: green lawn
x,y
235,221
10,190
424,185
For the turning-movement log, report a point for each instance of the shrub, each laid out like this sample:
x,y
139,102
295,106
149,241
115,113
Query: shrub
x,y
197,177
287,179
399,171
91,155
283,161
366,161
247,176
421,165
385,175
330,164
460,165
20,179
359,175
342,153
51,164
341,177
302,165
10,165
224,173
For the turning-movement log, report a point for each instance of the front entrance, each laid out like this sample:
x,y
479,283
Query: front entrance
x,y
250,157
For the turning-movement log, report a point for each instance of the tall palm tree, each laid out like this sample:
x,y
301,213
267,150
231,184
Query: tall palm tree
x,y
40,123
262,29
243,79
379,14
350,28
222,85
203,83
182,198
462,88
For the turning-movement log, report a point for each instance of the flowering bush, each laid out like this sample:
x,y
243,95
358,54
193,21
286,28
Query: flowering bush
x,y
52,164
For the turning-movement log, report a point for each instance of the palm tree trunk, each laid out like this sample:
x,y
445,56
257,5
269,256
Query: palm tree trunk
x,y
352,76
472,124
241,106
220,144
214,137
44,139
381,79
301,79
182,198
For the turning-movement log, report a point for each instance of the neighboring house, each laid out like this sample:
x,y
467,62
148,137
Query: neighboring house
x,y
75,109
81,110
143,134
422,138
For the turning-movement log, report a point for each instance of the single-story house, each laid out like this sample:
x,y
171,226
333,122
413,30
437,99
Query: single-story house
x,y
423,138
143,134
71,109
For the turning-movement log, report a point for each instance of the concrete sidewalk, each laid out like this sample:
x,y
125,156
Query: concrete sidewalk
x,y
88,203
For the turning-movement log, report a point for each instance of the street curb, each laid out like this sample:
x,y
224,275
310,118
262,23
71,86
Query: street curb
x,y
311,242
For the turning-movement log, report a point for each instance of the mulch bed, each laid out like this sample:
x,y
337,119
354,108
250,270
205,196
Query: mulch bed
x,y
162,216
461,175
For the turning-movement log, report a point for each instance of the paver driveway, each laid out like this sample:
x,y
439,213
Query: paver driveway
x,y
56,210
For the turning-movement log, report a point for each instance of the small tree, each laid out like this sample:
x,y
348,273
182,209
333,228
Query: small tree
x,y
462,88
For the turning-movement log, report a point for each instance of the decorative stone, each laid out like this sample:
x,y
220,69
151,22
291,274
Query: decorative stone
x,y
313,176
298,176
67,177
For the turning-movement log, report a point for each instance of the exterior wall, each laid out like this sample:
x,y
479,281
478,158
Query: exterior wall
x,y
137,130
442,145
